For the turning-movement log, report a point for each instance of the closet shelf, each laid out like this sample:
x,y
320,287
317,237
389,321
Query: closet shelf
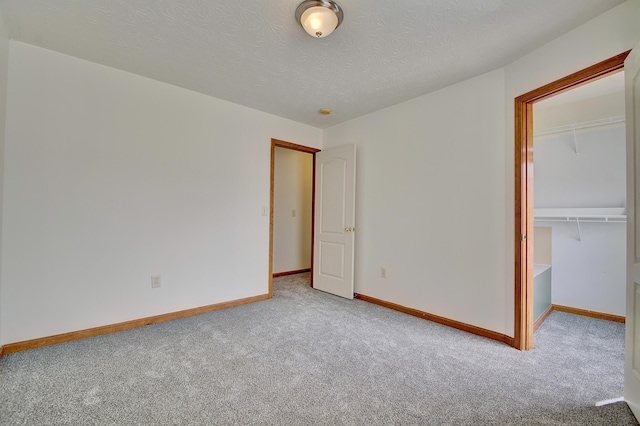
x,y
581,215
615,214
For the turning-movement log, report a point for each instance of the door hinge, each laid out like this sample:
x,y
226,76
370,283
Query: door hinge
x,y
523,237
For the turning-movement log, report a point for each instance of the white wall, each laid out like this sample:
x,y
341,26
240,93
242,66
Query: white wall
x,y
430,201
293,180
4,71
594,178
111,177
435,181
590,274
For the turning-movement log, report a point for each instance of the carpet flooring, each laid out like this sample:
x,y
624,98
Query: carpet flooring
x,y
307,357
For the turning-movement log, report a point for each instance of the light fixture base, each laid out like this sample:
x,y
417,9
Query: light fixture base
x,y
316,26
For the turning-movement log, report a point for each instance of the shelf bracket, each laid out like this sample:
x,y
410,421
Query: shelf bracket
x,y
579,232
575,139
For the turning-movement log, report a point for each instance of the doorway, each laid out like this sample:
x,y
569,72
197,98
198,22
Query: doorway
x,y
524,207
580,202
294,213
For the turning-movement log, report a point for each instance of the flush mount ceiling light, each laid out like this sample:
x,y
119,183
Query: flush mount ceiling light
x,y
319,17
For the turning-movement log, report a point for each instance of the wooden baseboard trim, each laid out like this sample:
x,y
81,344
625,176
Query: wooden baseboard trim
x,y
586,313
1,351
284,274
113,328
440,320
542,317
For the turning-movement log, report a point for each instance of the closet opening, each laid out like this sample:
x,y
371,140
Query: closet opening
x,y
575,206
580,202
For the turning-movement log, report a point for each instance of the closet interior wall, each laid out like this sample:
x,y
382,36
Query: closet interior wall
x,y
579,171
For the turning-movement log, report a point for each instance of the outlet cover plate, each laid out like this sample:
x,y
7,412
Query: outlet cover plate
x,y
155,281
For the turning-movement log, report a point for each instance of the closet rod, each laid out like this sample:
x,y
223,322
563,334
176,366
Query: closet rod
x,y
582,220
618,119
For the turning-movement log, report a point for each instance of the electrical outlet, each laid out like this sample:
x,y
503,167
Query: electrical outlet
x,y
155,281
383,272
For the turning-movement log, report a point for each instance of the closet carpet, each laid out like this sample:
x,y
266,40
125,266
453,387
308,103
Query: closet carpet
x,y
306,357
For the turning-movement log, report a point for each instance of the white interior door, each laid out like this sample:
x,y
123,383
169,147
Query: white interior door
x,y
334,238
632,341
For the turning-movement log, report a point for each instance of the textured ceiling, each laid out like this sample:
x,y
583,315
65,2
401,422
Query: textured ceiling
x,y
252,52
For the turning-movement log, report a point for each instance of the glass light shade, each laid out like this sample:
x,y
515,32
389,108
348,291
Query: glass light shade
x,y
319,21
